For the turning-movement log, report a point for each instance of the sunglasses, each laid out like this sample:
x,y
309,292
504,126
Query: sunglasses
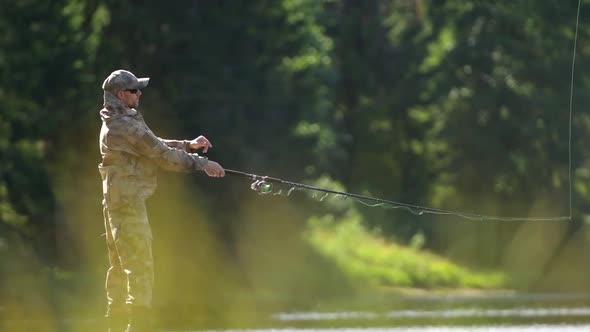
x,y
133,91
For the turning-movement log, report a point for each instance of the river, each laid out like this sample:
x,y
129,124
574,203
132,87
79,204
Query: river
x,y
502,313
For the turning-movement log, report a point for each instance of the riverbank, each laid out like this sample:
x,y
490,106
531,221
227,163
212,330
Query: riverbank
x,y
371,260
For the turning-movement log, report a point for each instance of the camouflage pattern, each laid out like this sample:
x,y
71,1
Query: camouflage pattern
x,y
130,277
131,156
123,79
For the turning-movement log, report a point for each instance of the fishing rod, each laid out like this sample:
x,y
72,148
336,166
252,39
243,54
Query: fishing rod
x,y
263,185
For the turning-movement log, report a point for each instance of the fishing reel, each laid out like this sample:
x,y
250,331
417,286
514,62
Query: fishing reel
x,y
261,187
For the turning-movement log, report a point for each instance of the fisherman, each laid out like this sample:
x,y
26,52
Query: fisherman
x,y
131,155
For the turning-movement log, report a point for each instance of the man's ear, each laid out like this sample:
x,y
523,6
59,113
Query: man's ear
x,y
119,94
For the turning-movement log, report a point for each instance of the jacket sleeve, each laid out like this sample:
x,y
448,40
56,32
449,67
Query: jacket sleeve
x,y
146,144
176,144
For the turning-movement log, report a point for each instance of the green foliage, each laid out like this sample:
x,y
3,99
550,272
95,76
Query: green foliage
x,y
370,259
503,117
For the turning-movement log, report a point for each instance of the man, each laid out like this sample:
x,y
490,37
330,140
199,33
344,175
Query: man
x,y
131,155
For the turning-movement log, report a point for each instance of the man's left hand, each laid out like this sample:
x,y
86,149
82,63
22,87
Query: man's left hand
x,y
200,142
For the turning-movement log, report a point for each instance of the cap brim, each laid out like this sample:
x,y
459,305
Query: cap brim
x,y
142,82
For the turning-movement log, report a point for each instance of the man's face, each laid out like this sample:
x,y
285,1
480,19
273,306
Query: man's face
x,y
130,97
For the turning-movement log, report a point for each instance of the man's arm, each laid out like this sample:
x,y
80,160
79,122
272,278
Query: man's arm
x,y
183,145
144,143
200,142
141,141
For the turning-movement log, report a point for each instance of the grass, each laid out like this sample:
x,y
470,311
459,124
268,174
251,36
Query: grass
x,y
370,259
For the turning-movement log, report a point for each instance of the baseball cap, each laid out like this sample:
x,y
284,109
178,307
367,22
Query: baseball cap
x,y
122,80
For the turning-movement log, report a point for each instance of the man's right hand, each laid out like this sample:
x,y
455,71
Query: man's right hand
x,y
214,169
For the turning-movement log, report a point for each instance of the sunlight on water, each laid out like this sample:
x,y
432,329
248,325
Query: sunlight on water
x,y
454,313
491,328
532,315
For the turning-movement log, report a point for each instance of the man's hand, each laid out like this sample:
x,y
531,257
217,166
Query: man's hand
x,y
214,169
200,142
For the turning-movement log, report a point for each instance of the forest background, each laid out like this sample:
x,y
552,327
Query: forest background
x,y
458,105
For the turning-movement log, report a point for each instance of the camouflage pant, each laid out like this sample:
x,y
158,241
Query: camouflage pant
x,y
130,277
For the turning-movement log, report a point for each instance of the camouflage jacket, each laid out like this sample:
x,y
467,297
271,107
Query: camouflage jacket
x,y
132,154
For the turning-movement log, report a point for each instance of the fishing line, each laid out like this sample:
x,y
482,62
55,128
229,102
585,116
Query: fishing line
x,y
263,185
571,110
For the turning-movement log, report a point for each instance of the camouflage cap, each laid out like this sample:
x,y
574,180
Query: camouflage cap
x,y
122,80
